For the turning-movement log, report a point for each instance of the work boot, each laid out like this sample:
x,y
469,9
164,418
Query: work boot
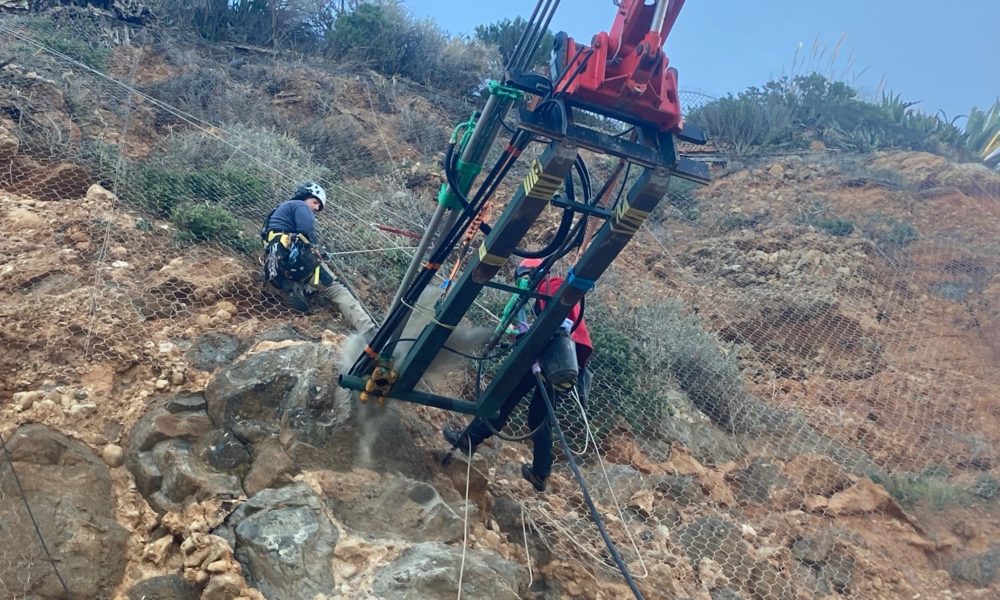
x,y
296,295
529,474
455,437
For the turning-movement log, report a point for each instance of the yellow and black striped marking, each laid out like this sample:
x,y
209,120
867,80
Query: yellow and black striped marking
x,y
539,185
490,259
627,219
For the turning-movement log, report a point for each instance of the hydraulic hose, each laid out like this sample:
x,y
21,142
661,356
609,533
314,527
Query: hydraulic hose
x,y
557,241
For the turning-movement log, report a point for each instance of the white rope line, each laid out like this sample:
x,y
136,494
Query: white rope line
x,y
371,250
588,436
465,535
527,553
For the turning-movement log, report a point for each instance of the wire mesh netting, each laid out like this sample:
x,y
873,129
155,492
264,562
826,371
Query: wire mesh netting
x,y
808,338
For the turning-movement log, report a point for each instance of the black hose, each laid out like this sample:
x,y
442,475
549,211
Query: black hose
x,y
555,244
424,277
449,171
586,492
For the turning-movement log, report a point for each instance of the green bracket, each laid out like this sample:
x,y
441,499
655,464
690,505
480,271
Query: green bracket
x,y
504,91
467,173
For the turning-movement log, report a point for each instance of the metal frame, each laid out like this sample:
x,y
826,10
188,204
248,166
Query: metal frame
x,y
653,150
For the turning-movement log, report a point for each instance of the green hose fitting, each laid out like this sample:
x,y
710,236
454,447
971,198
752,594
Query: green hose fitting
x,y
523,283
465,173
504,91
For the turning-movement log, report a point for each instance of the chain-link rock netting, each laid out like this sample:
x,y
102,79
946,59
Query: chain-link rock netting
x,y
804,346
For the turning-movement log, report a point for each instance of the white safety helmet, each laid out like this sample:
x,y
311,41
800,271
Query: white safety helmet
x,y
311,190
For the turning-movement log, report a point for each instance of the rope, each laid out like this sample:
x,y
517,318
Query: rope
x,y
596,516
370,250
27,506
426,313
527,554
465,535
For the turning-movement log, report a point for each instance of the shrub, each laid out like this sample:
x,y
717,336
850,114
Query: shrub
x,y
504,34
73,35
986,487
615,367
749,123
212,223
161,191
732,222
888,233
836,226
643,355
209,94
792,112
681,196
423,130
335,141
385,38
912,489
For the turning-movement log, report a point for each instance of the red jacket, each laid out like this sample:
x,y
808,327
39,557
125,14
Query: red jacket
x,y
584,347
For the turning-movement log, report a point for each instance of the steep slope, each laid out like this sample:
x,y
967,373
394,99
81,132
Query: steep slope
x,y
837,325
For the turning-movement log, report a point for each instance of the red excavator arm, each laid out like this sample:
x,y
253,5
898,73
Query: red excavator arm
x,y
625,74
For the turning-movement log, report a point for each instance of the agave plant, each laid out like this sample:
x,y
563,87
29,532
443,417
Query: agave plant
x,y
982,132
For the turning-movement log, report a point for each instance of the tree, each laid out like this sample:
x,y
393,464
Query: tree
x,y
505,34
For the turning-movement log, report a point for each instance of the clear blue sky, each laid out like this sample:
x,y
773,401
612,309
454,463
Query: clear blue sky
x,y
944,54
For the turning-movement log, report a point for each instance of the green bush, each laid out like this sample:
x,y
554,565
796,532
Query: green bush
x,y
77,38
504,34
615,366
793,112
836,226
160,191
212,223
913,489
733,222
681,195
889,233
986,487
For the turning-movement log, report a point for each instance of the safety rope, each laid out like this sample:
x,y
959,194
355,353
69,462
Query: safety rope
x,y
430,315
527,553
465,534
594,514
31,515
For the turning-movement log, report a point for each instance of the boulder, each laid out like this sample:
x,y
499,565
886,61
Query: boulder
x,y
289,391
720,540
766,581
69,491
285,541
392,506
430,571
8,145
164,587
177,456
756,482
212,350
62,181
815,474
